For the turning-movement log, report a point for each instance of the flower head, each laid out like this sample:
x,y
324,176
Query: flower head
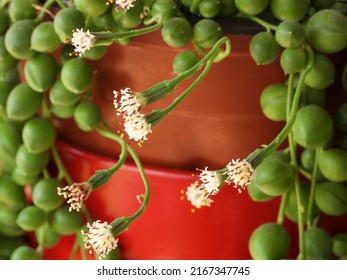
x,y
124,4
137,127
99,238
211,181
240,173
198,196
126,102
82,41
76,194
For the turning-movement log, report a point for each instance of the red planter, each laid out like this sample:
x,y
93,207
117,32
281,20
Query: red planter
x,y
167,229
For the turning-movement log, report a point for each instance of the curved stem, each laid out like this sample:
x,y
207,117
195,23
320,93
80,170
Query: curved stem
x,y
83,251
60,3
45,173
211,54
107,38
294,108
305,173
198,48
62,173
313,189
45,107
123,154
292,105
86,213
44,10
179,99
3,3
138,32
145,182
268,26
109,134
281,211
290,93
75,246
164,88
301,221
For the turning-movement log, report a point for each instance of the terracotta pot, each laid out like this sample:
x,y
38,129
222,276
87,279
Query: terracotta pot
x,y
219,121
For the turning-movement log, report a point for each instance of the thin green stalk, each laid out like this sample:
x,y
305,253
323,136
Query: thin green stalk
x,y
294,163
60,3
179,99
45,173
106,38
41,240
145,182
62,173
44,10
163,88
86,213
301,221
305,173
290,96
123,154
83,251
281,211
268,26
294,108
45,107
109,134
313,189
210,55
199,48
284,199
3,3
298,196
75,246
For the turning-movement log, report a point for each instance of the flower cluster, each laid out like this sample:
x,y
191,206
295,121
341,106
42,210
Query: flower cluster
x,y
122,4
135,124
237,172
198,196
99,238
211,181
76,194
82,41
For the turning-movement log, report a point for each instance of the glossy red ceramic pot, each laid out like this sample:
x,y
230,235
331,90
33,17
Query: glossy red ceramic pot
x,y
168,229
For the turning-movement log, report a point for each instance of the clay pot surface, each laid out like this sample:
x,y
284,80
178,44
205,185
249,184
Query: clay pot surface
x,y
219,121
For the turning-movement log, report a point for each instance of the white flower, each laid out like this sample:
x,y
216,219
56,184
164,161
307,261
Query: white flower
x,y
211,181
197,196
240,173
82,41
124,4
99,238
126,102
75,194
137,127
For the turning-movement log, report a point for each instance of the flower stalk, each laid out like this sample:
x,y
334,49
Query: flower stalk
x,y
100,237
